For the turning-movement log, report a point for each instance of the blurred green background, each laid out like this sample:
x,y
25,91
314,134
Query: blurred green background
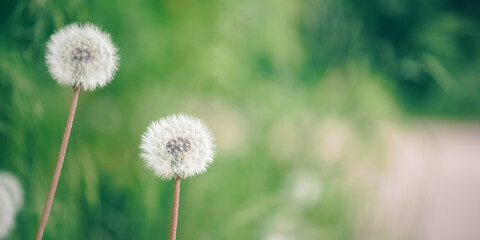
x,y
296,93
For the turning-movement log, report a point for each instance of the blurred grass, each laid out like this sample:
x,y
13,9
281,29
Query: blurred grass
x,y
288,87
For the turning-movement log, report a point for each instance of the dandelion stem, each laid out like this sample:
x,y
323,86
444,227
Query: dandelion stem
x,y
176,198
58,168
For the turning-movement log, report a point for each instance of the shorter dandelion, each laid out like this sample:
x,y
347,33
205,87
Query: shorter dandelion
x,y
177,147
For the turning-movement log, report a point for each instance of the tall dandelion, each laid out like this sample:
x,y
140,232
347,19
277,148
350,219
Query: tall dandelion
x,y
82,57
177,147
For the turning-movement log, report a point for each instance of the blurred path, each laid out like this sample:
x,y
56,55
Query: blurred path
x,y
431,187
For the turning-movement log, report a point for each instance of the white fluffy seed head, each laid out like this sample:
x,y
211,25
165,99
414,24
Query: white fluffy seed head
x,y
11,201
177,146
82,55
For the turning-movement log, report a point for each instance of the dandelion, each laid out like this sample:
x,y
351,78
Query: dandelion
x,y
177,147
82,57
11,201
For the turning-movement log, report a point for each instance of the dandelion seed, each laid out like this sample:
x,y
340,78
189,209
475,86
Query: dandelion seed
x,y
82,55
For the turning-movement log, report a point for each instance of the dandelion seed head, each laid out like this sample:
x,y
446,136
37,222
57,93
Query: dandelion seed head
x,y
11,201
177,146
82,55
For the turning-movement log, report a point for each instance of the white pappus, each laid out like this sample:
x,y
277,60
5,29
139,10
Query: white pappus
x,y
177,146
11,201
82,55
